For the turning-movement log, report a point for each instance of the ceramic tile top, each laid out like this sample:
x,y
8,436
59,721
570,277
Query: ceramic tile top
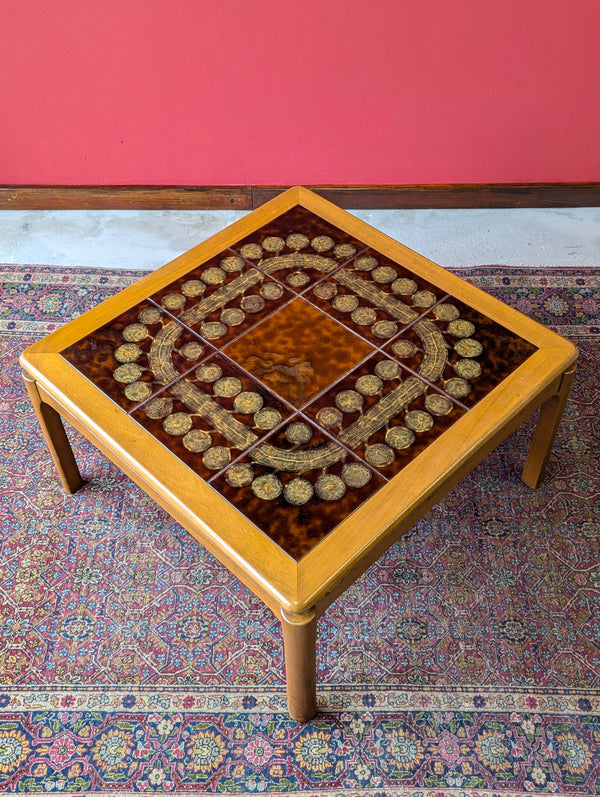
x,y
297,372
137,353
298,351
298,248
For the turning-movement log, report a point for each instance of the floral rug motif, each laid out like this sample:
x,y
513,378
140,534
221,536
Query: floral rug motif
x,y
465,661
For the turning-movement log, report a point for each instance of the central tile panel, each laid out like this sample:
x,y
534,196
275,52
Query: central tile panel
x,y
298,351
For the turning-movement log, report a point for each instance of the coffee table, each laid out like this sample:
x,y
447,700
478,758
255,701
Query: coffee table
x,y
297,391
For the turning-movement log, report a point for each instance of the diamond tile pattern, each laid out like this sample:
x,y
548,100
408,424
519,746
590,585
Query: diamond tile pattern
x,y
297,372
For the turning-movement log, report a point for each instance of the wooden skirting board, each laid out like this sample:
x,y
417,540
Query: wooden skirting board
x,y
248,197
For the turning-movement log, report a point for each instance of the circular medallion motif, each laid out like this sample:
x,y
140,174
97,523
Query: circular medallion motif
x,y
298,491
364,316
267,487
388,369
468,369
329,418
461,328
297,241
252,303
468,347
577,755
159,408
446,312
349,401
404,348
344,250
133,333
399,437
206,751
128,353
404,286
406,748
322,243
365,263
345,303
216,458
192,350
150,315
212,330
239,475
418,420
423,299
208,373
437,405
197,440
297,279
329,487
193,288
227,387
273,244
232,264
129,372
379,455
356,475
252,251
267,418
213,276
384,274
384,329
326,290
491,750
179,423
138,391
369,385
271,291
248,402
232,316
14,751
298,433
173,301
458,388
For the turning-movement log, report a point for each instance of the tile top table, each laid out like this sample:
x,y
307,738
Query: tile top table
x,y
297,392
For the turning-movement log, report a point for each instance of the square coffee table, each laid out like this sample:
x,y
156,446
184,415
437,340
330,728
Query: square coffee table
x,y
297,391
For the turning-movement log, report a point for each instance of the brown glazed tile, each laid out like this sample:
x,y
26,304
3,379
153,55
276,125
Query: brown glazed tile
x,y
298,351
384,414
136,354
297,486
459,350
222,298
374,296
298,248
208,417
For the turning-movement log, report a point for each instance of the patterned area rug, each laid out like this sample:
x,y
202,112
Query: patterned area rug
x,y
466,661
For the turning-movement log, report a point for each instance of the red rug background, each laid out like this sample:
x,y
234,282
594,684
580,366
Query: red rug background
x,y
468,657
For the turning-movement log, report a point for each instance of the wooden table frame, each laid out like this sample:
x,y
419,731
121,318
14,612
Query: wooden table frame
x,y
298,592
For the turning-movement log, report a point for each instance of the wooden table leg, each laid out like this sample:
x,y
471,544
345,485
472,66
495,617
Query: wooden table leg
x,y
545,431
299,645
56,438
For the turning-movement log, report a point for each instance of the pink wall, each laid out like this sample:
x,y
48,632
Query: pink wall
x,y
311,91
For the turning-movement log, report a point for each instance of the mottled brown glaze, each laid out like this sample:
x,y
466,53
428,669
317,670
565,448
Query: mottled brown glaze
x,y
298,351
294,248
298,528
379,396
211,415
97,355
222,298
374,296
294,408
501,352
